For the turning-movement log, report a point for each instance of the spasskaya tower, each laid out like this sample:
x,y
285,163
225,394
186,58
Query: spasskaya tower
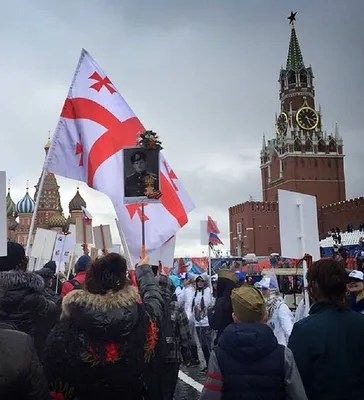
x,y
301,157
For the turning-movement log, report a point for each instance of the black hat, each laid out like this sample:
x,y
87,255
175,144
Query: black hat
x,y
137,156
16,258
51,265
45,273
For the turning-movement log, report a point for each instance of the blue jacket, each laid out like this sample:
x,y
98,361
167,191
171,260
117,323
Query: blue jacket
x,y
251,362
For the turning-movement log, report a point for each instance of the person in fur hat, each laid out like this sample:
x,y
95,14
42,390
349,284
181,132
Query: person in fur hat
x,y
22,301
107,334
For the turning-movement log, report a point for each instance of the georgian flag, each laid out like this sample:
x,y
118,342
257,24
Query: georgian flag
x,y
95,125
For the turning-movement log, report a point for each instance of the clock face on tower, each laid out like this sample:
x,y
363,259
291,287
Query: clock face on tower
x,y
307,118
282,123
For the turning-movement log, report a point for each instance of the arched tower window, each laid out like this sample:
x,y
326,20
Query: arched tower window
x,y
282,84
321,146
303,77
291,78
308,146
297,145
332,146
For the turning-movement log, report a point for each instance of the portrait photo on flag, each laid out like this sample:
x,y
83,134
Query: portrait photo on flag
x,y
141,175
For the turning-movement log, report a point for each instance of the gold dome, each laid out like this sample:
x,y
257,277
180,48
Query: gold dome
x,y
57,221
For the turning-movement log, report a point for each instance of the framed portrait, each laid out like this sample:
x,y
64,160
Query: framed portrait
x,y
141,175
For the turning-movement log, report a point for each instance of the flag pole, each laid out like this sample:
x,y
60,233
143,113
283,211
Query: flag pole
x,y
32,224
210,269
127,254
143,233
104,250
85,245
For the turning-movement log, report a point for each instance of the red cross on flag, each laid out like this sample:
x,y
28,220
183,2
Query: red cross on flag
x,y
95,125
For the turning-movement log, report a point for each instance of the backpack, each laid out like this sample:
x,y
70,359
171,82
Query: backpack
x,y
169,332
76,285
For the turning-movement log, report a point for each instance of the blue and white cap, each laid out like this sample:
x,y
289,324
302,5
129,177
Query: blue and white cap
x,y
267,283
184,275
356,275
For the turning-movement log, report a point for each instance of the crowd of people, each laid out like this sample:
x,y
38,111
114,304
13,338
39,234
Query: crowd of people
x,y
98,335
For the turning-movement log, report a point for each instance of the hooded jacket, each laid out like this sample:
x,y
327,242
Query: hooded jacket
x,y
21,374
24,306
220,316
80,270
99,350
248,363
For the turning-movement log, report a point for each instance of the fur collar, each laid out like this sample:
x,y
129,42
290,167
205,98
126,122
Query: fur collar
x,y
17,280
125,297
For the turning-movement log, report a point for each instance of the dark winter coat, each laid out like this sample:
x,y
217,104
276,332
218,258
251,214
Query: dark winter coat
x,y
220,316
252,362
24,306
21,374
328,347
98,350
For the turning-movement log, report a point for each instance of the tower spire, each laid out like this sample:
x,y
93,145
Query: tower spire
x,y
48,144
294,58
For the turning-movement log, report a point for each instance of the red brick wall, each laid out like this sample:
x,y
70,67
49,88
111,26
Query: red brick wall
x,y
340,214
260,227
322,177
260,223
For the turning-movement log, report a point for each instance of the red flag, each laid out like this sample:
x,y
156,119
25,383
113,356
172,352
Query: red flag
x,y
211,226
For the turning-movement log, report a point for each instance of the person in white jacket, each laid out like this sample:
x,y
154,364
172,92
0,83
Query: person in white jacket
x,y
185,298
201,302
280,317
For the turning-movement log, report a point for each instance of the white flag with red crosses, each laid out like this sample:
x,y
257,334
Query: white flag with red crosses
x,y
95,125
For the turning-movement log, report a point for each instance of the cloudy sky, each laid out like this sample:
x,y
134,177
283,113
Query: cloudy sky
x,y
202,73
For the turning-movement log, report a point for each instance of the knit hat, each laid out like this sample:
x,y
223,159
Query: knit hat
x,y
51,265
248,304
16,258
82,263
227,274
45,273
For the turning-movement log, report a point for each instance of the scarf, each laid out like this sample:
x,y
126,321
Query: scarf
x,y
273,301
202,304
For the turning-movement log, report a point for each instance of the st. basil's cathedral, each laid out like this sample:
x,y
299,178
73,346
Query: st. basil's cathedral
x,y
50,213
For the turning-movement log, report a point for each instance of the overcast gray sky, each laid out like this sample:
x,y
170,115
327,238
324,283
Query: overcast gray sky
x,y
201,73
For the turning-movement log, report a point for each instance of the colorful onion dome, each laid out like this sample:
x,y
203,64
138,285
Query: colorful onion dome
x,y
77,202
26,205
10,206
57,221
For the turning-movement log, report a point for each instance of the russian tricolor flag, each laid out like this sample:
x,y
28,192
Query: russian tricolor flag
x,y
86,215
213,231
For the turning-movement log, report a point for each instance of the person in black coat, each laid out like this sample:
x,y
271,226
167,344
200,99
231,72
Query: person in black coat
x,y
107,334
48,278
21,374
22,301
328,345
220,316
